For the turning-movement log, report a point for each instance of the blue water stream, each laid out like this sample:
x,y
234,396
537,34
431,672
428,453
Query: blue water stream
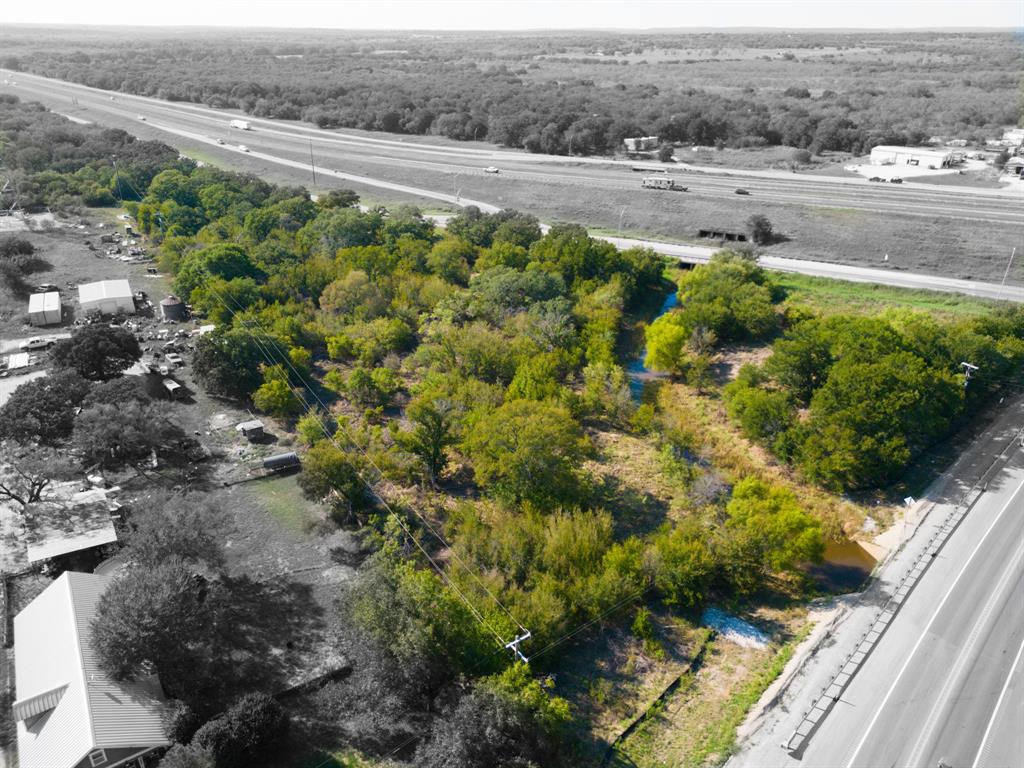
x,y
638,373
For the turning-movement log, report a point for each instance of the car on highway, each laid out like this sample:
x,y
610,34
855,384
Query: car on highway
x,y
895,181
243,147
142,117
742,192
876,178
491,169
220,141
40,342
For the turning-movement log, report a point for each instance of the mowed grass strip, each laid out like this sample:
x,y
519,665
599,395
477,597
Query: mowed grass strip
x,y
835,296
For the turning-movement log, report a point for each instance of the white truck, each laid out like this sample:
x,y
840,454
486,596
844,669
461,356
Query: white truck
x,y
242,125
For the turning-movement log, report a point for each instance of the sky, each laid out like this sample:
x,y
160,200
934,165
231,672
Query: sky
x,y
524,14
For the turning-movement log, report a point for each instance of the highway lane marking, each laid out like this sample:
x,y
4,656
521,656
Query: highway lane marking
x,y
924,632
963,657
995,712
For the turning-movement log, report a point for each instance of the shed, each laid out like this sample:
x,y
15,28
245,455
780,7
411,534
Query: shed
x,y
44,308
281,461
251,430
1014,165
108,297
68,712
173,308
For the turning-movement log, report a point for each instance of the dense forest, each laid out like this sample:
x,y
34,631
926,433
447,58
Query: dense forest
x,y
445,390
554,94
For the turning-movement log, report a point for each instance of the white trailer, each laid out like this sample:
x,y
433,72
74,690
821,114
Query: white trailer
x,y
662,182
242,125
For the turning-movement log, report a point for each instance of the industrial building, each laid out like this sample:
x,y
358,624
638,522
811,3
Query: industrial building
x,y
107,297
69,712
925,157
641,143
44,308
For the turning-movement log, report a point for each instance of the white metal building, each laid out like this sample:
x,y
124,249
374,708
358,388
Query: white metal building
x,y
44,308
925,157
69,713
108,297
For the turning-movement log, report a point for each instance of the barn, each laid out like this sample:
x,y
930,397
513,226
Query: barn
x,y
924,157
107,297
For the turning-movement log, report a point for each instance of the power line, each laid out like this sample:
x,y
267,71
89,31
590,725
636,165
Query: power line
x,y
270,358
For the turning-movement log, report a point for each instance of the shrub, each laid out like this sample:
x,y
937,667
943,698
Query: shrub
x,y
251,728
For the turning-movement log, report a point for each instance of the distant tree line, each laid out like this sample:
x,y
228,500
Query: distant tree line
x,y
523,93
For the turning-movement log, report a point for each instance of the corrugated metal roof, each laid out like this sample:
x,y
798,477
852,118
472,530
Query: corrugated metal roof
x,y
36,705
44,302
53,647
60,544
104,289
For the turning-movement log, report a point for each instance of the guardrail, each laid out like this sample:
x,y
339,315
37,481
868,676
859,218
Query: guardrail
x,y
831,693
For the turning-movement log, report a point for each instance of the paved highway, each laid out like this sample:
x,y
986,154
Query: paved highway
x,y
385,162
945,684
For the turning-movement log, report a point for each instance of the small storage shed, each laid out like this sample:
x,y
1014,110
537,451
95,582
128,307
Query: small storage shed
x,y
108,297
251,430
44,308
173,308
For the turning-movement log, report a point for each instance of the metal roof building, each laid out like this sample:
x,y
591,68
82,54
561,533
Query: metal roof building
x,y
44,308
925,157
108,297
68,712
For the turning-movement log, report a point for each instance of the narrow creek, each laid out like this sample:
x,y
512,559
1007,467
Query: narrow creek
x,y
638,373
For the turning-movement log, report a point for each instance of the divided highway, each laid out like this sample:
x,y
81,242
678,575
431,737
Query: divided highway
x,y
945,685
384,163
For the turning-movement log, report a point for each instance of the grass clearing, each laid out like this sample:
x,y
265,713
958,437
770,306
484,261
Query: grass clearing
x,y
282,499
696,726
828,295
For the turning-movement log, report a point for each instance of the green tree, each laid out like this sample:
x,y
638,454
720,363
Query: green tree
x,y
43,409
528,451
275,396
683,565
760,229
338,478
228,362
226,261
451,258
115,435
666,339
253,728
26,472
98,352
433,432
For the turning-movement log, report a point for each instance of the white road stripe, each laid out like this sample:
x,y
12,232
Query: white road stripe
x,y
995,712
924,632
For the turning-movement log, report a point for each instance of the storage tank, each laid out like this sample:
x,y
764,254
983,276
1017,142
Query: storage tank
x,y
173,308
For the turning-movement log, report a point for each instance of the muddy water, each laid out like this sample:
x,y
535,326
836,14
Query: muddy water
x,y
847,566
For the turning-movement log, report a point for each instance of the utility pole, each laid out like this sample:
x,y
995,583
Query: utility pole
x,y
621,214
312,167
514,646
1007,272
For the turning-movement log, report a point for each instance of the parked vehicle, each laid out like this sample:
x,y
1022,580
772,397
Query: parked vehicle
x,y
895,181
40,342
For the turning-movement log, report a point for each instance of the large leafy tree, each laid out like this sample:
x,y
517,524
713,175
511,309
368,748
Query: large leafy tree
x,y
528,451
766,531
115,435
43,409
228,362
433,432
250,730
666,339
160,619
98,352
337,477
26,472
226,261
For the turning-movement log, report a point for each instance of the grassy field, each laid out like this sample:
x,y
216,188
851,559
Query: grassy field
x,y
832,296
696,726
